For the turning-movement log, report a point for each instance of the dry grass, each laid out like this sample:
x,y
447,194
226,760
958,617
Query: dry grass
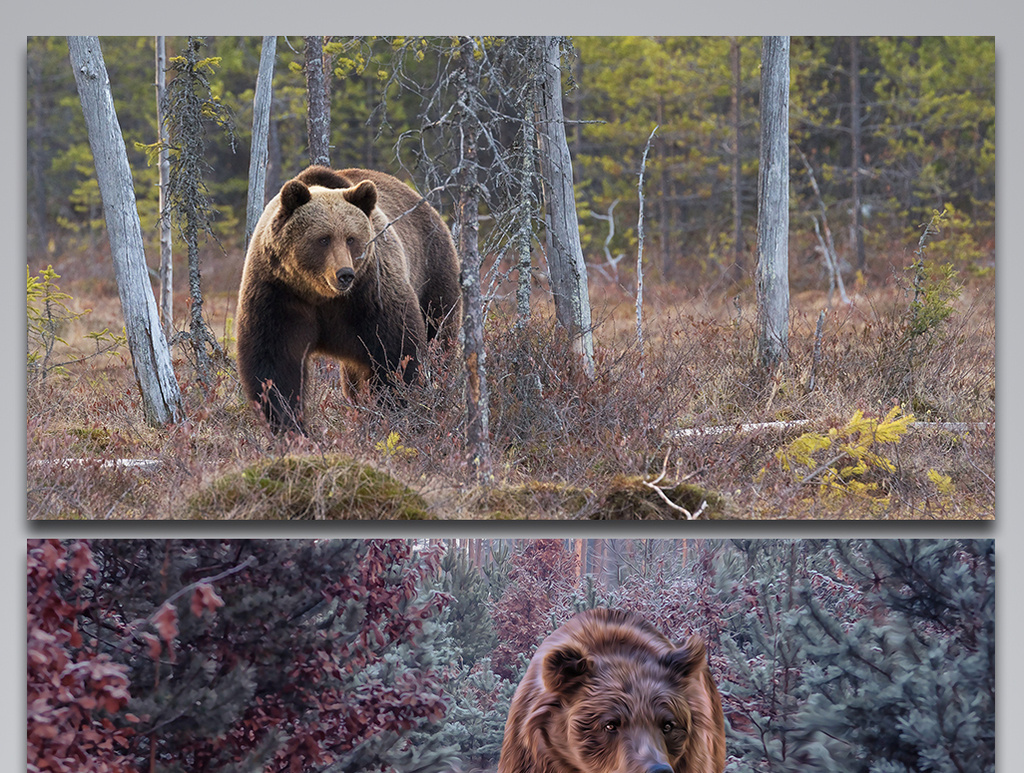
x,y
562,445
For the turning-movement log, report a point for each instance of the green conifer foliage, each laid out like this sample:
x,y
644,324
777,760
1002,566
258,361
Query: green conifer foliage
x,y
864,657
272,654
468,618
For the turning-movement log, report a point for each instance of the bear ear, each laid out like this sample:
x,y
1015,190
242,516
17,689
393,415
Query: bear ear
x,y
686,660
293,195
363,196
324,177
565,670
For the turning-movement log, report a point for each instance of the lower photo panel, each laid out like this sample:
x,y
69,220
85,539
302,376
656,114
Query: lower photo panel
x,y
515,656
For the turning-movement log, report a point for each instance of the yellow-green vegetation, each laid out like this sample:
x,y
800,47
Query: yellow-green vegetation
x,y
323,487
840,462
49,316
88,440
392,448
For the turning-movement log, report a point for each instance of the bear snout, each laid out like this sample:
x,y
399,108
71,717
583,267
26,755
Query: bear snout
x,y
345,277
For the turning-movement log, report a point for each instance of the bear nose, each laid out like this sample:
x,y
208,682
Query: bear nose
x,y
659,767
345,278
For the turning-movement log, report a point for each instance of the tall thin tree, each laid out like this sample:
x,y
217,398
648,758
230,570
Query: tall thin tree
x,y
855,141
259,151
527,176
164,165
566,265
151,357
737,166
773,206
189,104
477,408
318,110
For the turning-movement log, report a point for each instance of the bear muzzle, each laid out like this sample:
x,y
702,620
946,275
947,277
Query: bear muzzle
x,y
345,277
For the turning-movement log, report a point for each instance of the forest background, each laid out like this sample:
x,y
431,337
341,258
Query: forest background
x,y
318,655
917,340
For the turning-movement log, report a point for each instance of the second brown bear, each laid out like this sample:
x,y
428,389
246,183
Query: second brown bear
x,y
608,693
352,264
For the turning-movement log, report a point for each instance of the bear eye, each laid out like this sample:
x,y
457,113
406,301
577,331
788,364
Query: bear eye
x,y
323,241
351,241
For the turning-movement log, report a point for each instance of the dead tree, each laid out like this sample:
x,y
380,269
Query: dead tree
x,y
164,165
318,110
189,104
258,152
474,353
151,357
566,265
773,206
855,142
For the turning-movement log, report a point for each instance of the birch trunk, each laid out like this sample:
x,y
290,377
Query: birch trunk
x,y
773,205
151,358
259,153
566,266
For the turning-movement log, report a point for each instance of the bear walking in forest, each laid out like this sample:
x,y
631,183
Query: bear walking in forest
x,y
352,264
607,693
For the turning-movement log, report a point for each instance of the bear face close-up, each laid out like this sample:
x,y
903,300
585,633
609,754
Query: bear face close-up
x,y
351,264
608,693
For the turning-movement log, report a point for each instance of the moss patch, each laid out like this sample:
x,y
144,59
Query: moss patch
x,y
329,487
536,499
628,498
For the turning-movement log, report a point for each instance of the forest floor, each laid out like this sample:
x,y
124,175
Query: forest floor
x,y
893,418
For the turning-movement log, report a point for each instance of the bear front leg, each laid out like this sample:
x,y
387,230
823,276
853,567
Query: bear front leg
x,y
271,364
396,348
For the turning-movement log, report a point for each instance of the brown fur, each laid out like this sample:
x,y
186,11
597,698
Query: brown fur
x,y
607,693
351,264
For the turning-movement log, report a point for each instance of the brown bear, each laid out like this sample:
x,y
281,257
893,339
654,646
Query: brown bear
x,y
607,693
352,264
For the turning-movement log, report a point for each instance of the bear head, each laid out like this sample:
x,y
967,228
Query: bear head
x,y
624,701
321,238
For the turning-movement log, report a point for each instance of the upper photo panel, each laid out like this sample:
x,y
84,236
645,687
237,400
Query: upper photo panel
x,y
476,278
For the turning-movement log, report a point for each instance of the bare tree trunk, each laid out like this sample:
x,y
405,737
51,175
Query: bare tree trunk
x,y
737,179
478,451
274,179
166,256
318,111
565,253
258,153
858,233
773,205
527,201
151,357
640,255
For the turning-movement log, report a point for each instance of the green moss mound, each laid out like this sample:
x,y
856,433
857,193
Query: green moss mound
x,y
539,499
627,498
328,487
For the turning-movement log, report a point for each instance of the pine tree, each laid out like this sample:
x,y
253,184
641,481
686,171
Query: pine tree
x,y
467,614
860,657
910,686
